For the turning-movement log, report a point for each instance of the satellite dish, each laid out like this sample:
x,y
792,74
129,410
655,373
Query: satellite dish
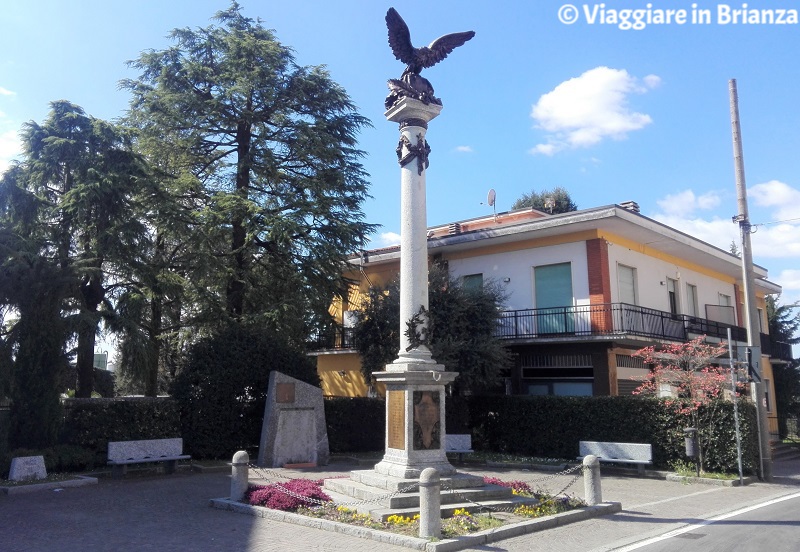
x,y
491,197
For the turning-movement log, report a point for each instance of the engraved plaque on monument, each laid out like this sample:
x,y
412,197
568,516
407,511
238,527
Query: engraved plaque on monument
x,y
397,419
284,393
426,420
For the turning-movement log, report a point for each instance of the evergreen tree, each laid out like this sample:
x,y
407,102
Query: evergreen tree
x,y
552,201
33,292
460,334
274,146
784,322
75,190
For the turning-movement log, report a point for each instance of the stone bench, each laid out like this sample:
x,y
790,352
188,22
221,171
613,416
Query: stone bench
x,y
459,443
640,454
123,453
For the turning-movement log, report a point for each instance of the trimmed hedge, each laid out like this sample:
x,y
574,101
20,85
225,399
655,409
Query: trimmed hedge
x,y
222,388
355,424
551,427
92,423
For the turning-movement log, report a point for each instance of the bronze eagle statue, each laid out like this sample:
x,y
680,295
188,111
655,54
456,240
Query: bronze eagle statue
x,y
416,59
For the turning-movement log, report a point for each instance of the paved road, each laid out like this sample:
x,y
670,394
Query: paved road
x,y
159,512
773,525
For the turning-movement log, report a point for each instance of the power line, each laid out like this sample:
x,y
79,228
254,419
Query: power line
x,y
776,222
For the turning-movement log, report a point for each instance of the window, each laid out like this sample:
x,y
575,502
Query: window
x,y
672,291
472,282
626,280
691,300
553,298
760,320
725,300
561,388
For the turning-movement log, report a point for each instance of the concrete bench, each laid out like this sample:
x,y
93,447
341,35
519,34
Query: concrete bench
x,y
123,453
459,443
640,454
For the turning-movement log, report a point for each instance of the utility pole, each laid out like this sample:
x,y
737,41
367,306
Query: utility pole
x,y
753,326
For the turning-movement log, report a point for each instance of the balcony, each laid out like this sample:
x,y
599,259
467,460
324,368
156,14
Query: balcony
x,y
615,320
612,319
332,338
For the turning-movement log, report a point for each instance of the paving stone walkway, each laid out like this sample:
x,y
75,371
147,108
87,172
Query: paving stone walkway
x,y
171,512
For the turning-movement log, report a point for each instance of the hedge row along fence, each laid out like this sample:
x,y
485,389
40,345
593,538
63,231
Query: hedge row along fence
x,y
547,427
551,427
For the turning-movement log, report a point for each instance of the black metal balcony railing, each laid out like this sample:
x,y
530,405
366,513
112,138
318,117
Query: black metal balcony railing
x,y
609,319
333,338
777,349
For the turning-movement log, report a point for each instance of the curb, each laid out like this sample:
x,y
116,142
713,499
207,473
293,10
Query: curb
x,y
448,545
80,481
709,481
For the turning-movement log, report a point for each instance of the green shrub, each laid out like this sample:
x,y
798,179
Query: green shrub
x,y
92,423
355,424
222,388
57,459
551,427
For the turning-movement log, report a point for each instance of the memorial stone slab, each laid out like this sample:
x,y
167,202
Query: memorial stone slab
x,y
26,468
294,429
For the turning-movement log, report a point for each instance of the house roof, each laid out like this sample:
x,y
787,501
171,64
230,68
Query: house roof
x,y
522,224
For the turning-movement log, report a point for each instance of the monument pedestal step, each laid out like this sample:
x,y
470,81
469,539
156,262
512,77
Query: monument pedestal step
x,y
392,483
380,496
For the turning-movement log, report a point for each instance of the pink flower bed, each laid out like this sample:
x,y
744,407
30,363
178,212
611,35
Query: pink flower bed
x,y
274,496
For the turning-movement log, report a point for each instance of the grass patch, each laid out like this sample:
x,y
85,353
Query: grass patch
x,y
486,456
51,478
461,523
685,469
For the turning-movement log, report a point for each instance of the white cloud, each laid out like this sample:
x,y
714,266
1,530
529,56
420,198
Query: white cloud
x,y
10,147
584,110
717,232
789,279
464,149
777,194
386,239
652,81
687,202
6,92
774,241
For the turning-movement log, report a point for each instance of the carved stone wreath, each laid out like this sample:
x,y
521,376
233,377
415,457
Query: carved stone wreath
x,y
420,152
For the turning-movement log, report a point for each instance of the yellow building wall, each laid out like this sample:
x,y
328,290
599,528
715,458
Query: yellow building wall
x,y
340,375
772,410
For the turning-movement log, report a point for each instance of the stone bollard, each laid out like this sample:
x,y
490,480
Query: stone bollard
x,y
430,504
591,480
239,475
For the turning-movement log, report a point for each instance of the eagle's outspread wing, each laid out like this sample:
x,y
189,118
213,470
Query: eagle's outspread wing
x,y
400,38
439,48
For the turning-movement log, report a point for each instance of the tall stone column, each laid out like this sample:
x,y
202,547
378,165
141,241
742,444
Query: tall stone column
x,y
415,383
412,155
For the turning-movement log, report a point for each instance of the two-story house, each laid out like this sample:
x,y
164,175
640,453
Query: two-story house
x,y
586,289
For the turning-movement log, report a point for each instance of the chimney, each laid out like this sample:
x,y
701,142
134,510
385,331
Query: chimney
x,y
630,206
454,228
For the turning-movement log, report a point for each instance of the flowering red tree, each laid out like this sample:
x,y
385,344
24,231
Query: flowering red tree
x,y
687,375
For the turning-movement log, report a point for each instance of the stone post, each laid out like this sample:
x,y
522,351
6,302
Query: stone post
x,y
239,475
430,504
591,480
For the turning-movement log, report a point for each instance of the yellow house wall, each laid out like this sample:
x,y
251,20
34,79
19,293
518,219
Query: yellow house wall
x,y
334,384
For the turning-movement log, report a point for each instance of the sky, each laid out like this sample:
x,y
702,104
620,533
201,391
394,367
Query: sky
x,y
547,93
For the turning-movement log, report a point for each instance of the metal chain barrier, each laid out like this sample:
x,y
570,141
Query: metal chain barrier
x,y
263,473
512,508
327,503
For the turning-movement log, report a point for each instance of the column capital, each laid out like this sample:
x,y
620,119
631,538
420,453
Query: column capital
x,y
411,112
